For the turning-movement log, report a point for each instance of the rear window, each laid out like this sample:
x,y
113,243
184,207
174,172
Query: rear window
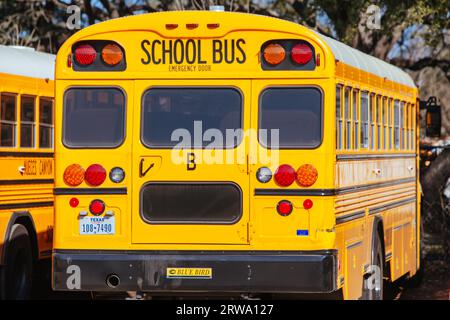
x,y
295,112
94,117
169,116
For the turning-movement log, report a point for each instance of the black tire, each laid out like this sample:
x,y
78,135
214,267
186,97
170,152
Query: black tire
x,y
375,292
17,274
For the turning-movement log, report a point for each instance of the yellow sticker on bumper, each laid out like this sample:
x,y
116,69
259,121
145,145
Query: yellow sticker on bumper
x,y
189,273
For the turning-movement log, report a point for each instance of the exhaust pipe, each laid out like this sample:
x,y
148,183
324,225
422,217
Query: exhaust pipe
x,y
113,280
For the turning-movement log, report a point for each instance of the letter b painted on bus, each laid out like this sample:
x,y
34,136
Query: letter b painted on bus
x,y
74,280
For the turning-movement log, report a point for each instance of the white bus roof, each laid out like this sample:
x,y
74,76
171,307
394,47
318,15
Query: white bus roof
x,y
368,63
23,61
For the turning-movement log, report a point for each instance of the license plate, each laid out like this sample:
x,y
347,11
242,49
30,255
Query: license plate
x,y
98,225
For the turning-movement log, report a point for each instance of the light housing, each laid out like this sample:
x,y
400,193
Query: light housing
x,y
264,174
74,202
301,53
284,175
284,208
97,207
117,175
274,53
74,175
85,54
95,175
307,175
308,204
112,54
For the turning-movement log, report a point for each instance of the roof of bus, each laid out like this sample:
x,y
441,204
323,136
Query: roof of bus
x,y
341,52
24,61
368,63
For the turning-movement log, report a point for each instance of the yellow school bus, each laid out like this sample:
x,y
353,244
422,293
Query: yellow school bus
x,y
222,152
26,166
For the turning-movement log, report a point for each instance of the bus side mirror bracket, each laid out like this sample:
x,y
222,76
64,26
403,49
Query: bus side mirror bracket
x,y
433,118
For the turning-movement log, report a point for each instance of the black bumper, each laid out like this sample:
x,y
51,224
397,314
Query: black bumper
x,y
291,271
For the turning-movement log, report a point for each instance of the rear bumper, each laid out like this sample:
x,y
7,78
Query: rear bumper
x,y
292,271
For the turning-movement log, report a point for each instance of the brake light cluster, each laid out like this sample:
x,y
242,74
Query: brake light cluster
x,y
306,175
94,175
285,175
98,56
299,52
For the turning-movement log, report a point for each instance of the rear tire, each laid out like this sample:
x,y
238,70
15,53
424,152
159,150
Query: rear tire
x,y
373,281
17,274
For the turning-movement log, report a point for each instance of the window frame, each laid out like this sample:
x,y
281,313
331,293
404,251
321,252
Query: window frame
x,y
321,113
355,117
14,123
125,114
46,125
365,123
348,141
141,125
32,123
339,119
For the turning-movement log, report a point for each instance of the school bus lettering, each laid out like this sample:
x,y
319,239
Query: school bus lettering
x,y
191,165
189,52
30,167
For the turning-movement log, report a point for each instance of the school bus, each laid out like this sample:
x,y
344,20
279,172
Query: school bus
x,y
26,166
222,152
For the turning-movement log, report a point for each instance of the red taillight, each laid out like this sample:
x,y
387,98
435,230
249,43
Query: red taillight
x,y
97,207
192,26
307,204
95,175
171,26
284,207
85,54
74,202
285,175
301,53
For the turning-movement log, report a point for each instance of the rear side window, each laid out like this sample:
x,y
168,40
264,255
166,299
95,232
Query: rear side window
x,y
8,120
94,118
191,117
295,112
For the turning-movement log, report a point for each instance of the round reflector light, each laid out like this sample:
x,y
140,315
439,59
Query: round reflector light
x,y
117,175
274,53
112,54
284,207
85,54
285,175
74,202
74,175
307,204
307,175
263,174
301,53
95,175
97,207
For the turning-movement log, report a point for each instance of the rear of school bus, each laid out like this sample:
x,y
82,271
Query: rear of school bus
x,y
168,173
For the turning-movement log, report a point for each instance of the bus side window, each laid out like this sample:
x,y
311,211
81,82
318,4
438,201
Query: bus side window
x,y
8,120
355,119
385,122
378,120
45,123
396,124
391,130
364,141
402,125
372,120
348,120
339,123
27,122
